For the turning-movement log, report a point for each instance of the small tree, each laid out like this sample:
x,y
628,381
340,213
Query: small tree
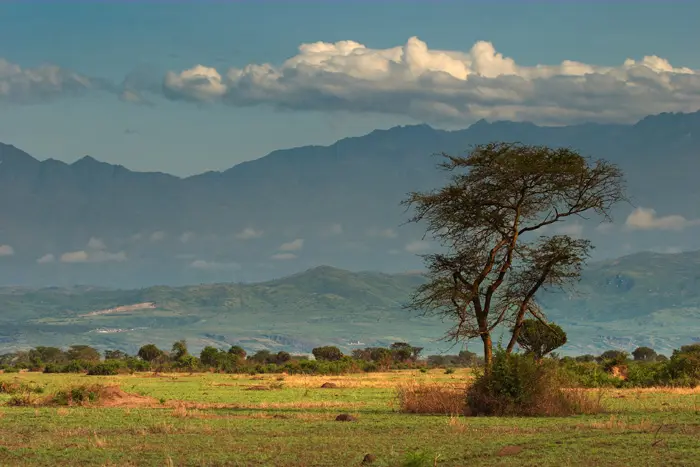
x,y
540,338
115,355
644,354
282,357
238,351
149,353
83,352
328,353
209,356
179,350
401,351
488,217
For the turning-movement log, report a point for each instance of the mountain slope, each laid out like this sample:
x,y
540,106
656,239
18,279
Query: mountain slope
x,y
341,200
641,299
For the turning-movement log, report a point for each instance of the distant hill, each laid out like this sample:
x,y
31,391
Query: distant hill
x,y
641,299
91,222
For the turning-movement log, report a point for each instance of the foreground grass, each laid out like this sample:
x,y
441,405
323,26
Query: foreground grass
x,y
216,420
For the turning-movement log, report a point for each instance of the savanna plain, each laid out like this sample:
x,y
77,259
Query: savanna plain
x,y
208,419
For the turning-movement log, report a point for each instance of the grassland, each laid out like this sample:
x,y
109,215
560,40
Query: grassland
x,y
216,420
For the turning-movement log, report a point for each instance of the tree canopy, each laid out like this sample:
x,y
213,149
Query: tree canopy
x,y
490,218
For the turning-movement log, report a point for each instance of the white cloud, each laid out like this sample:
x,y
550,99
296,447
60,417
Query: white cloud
x,y
47,258
157,236
573,230
382,233
30,85
646,219
200,83
446,85
6,250
294,245
283,256
214,265
249,233
95,252
96,244
417,246
92,256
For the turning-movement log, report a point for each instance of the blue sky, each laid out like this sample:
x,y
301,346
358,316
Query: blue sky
x,y
188,130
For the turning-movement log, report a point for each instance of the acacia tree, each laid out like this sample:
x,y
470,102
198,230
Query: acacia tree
x,y
490,217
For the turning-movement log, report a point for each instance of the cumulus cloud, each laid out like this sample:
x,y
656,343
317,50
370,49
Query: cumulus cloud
x,y
94,252
96,244
95,256
382,233
294,245
249,233
445,85
6,250
47,258
214,265
417,246
646,219
283,256
30,85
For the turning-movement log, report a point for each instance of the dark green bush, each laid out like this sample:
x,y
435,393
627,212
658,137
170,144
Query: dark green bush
x,y
106,368
519,385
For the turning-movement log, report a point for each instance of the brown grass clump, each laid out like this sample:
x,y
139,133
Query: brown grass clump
x,y
97,395
431,398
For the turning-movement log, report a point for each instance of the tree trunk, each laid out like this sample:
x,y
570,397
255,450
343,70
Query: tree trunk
x,y
488,351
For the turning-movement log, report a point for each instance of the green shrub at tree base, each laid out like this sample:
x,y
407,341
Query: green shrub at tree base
x,y
519,385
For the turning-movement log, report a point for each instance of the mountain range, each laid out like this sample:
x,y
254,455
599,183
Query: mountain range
x,y
94,223
641,299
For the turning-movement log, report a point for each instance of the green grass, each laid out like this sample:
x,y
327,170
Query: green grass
x,y
214,420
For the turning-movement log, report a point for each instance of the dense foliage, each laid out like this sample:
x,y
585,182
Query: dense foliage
x,y
612,368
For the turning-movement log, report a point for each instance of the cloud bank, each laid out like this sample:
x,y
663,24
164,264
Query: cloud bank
x,y
646,219
409,80
31,85
445,85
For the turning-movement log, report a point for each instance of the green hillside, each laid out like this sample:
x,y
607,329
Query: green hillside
x,y
642,299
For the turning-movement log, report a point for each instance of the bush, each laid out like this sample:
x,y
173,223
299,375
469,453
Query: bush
x,y
431,398
107,368
519,385
589,374
80,395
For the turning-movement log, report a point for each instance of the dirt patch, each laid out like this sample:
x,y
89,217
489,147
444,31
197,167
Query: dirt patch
x,y
113,396
258,387
344,417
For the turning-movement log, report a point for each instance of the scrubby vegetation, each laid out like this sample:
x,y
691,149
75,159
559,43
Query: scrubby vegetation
x,y
612,368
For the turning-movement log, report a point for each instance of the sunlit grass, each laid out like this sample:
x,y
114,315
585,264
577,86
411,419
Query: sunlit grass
x,y
212,419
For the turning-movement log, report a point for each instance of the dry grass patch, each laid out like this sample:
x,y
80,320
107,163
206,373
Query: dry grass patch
x,y
431,398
